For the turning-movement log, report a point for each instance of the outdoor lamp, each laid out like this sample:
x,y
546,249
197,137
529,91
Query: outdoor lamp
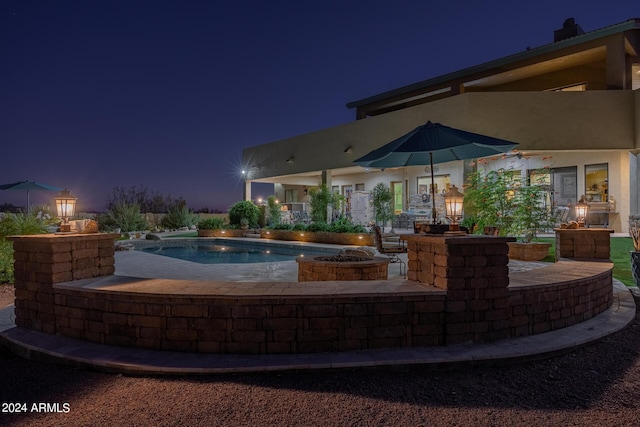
x,y
453,200
581,213
66,208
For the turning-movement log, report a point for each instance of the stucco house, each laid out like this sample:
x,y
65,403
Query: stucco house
x,y
573,106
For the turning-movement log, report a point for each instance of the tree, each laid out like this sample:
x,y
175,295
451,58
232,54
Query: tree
x,y
382,198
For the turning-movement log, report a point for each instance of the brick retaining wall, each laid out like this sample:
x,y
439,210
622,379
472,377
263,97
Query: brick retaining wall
x,y
473,300
268,324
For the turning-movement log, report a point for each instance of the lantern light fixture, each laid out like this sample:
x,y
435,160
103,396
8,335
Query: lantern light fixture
x,y
453,201
581,213
65,208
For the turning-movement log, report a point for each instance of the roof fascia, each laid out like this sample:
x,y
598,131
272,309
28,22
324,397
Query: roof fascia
x,y
631,24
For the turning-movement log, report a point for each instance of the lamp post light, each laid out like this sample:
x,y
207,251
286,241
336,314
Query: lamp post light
x,y
581,213
66,208
453,200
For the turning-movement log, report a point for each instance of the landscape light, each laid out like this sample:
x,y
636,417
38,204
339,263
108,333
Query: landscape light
x,y
581,213
66,208
453,200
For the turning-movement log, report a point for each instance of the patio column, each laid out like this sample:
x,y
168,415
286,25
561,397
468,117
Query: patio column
x,y
43,260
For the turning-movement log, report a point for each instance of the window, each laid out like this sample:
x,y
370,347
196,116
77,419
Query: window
x,y
565,186
359,187
291,196
441,182
596,182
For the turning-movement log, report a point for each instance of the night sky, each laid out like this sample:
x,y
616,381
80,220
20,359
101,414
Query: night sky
x,y
166,94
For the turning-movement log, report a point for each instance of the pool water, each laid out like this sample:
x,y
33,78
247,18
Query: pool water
x,y
230,254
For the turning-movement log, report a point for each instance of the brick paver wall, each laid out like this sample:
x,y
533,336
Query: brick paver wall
x,y
474,271
311,270
470,301
43,260
261,325
583,243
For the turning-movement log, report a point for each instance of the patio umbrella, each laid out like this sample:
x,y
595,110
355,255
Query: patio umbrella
x,y
29,186
433,143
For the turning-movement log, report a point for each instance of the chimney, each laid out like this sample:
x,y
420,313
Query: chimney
x,y
569,29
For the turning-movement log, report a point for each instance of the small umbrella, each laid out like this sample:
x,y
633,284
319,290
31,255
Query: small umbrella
x,y
29,186
434,143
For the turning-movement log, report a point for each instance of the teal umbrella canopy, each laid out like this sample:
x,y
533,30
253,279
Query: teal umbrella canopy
x,y
434,143
29,186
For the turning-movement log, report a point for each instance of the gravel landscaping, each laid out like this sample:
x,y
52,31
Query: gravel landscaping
x,y
597,385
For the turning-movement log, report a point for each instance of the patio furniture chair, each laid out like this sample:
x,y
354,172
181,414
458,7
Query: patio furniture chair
x,y
390,249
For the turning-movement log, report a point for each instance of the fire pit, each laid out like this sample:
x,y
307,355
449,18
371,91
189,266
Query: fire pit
x,y
342,267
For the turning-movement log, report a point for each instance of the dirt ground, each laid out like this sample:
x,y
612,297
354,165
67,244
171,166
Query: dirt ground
x,y
596,385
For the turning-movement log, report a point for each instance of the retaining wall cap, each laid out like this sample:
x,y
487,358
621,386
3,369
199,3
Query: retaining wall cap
x,y
73,236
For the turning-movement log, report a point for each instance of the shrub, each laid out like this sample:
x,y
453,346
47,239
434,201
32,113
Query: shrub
x,y
300,227
126,217
6,261
215,223
244,209
320,198
274,210
318,226
282,226
382,198
13,225
20,224
178,217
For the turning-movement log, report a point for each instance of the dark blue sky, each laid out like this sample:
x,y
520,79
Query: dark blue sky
x,y
165,94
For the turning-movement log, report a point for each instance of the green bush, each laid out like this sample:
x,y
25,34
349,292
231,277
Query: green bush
x,y
320,200
126,217
21,224
344,225
14,225
215,223
318,226
178,217
244,209
382,198
274,211
300,227
6,261
282,226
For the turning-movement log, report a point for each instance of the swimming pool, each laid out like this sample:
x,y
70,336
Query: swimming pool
x,y
227,251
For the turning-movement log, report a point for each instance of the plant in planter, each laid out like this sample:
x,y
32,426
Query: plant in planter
x,y
500,199
634,231
488,198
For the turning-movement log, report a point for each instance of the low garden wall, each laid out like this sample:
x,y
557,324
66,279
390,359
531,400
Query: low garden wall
x,y
462,294
311,269
358,239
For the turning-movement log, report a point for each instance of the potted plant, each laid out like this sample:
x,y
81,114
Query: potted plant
x,y
500,200
529,214
634,231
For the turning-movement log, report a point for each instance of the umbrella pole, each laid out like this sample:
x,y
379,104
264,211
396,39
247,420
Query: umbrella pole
x,y
433,191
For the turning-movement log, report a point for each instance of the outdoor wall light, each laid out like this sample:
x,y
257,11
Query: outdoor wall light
x,y
581,213
453,200
290,159
348,150
66,208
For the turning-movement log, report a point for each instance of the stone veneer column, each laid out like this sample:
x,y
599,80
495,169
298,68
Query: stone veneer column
x,y
583,243
44,259
474,271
